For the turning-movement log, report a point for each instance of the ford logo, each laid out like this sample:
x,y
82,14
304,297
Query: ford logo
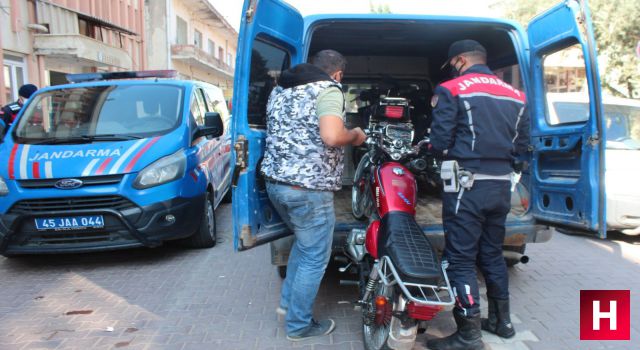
x,y
68,184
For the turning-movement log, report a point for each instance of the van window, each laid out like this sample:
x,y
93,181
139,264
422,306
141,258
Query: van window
x,y
622,121
198,107
565,75
216,103
267,62
126,110
511,75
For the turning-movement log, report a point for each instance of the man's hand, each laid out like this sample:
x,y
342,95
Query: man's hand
x,y
360,136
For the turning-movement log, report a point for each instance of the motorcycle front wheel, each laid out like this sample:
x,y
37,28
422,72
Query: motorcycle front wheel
x,y
359,197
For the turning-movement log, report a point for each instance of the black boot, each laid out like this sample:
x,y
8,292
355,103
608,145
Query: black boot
x,y
467,337
499,321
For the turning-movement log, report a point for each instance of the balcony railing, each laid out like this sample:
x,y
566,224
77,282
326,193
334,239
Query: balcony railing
x,y
192,52
87,51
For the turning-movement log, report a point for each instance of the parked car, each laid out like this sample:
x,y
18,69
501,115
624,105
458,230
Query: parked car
x,y
622,155
109,162
402,54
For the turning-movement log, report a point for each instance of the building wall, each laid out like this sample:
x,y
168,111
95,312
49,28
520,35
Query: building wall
x,y
16,49
222,38
157,31
128,14
61,18
165,51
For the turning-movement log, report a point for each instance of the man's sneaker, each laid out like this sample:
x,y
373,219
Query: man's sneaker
x,y
315,329
282,311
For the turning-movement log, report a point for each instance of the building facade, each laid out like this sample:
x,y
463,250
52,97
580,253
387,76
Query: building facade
x,y
42,40
193,38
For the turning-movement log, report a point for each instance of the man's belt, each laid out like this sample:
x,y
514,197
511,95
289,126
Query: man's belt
x,y
505,177
455,178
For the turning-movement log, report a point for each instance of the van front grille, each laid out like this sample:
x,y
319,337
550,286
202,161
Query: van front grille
x,y
86,181
34,206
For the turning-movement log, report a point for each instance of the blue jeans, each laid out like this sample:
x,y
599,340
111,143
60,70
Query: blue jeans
x,y
310,215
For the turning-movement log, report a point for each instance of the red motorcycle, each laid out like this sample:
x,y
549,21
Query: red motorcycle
x,y
402,282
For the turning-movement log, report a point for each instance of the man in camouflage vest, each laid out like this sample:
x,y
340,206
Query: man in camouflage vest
x,y
303,167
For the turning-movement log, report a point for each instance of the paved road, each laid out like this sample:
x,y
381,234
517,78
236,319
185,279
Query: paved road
x,y
171,298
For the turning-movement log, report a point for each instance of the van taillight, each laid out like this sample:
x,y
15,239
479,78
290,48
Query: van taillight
x,y
395,112
422,312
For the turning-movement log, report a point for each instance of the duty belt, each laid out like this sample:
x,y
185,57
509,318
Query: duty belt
x,y
505,177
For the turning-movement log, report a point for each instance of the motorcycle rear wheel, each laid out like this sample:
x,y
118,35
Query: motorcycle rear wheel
x,y
375,336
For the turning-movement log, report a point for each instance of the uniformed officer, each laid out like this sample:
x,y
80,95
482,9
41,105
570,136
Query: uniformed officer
x,y
9,112
482,123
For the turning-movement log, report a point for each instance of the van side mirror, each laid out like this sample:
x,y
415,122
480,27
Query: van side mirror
x,y
212,126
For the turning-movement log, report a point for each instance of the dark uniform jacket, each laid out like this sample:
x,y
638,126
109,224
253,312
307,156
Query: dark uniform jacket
x,y
9,112
480,121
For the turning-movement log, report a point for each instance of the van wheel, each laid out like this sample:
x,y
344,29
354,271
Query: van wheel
x,y
206,235
282,271
513,262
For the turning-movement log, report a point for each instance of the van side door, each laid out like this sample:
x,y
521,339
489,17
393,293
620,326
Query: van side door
x,y
567,167
270,41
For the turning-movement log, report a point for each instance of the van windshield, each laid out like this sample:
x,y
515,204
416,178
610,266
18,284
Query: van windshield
x,y
100,113
623,122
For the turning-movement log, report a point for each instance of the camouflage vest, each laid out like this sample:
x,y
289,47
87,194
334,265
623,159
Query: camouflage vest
x,y
294,152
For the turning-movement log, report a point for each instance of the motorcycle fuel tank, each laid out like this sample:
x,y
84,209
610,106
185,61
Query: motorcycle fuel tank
x,y
394,189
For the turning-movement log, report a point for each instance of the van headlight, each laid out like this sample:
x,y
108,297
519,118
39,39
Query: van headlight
x,y
162,171
4,190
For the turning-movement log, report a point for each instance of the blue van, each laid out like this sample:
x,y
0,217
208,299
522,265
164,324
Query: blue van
x,y
110,162
563,185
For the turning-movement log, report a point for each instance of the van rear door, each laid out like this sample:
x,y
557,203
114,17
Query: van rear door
x,y
568,158
270,41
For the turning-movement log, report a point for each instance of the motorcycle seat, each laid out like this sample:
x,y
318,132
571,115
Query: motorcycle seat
x,y
413,256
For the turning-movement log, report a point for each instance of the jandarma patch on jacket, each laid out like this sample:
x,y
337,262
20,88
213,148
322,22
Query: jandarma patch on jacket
x,y
434,101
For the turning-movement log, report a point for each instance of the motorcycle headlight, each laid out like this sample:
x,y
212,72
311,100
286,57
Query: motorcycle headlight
x,y
4,190
162,171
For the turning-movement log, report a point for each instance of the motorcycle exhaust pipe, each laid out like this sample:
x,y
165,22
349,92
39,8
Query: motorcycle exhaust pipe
x,y
515,256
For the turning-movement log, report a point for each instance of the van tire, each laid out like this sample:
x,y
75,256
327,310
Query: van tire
x,y
206,234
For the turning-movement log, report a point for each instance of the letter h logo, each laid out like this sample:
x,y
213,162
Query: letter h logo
x,y
605,315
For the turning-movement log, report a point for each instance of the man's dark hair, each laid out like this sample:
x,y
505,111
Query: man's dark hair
x,y
476,56
330,61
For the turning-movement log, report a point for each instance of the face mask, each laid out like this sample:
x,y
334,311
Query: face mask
x,y
455,71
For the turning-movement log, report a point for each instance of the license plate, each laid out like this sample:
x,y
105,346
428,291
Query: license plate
x,y
70,223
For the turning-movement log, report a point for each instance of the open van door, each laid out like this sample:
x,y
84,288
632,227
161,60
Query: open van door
x,y
269,42
567,167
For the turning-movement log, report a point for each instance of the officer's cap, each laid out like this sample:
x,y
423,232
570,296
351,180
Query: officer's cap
x,y
462,46
27,90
